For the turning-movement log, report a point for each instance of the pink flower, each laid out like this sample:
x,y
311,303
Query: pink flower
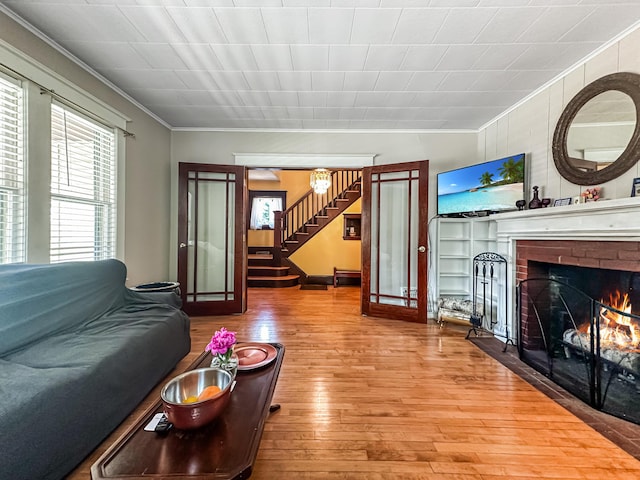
x,y
221,342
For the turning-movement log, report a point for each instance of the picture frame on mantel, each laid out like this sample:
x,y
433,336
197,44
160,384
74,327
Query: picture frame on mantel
x,y
560,202
635,187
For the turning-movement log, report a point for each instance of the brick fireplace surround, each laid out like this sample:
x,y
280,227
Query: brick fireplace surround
x,y
611,255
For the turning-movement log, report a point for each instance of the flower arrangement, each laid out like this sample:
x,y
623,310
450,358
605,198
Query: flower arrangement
x,y
221,345
591,194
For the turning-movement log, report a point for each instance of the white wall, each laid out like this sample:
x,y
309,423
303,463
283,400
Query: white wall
x,y
529,128
147,182
443,150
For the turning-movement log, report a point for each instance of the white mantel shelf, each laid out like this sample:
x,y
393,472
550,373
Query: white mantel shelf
x,y
603,220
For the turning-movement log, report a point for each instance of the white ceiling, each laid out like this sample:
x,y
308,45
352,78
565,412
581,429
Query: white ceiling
x,y
329,64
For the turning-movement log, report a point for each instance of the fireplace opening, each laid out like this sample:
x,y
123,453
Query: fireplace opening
x,y
581,327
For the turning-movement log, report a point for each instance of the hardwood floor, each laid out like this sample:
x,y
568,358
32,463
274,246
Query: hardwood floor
x,y
371,398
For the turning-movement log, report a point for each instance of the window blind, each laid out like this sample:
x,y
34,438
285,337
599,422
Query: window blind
x,y
12,186
83,187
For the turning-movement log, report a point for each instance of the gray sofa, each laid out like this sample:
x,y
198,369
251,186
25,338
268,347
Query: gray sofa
x,y
78,352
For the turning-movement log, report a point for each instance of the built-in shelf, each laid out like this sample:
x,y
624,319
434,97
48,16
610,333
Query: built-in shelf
x,y
352,225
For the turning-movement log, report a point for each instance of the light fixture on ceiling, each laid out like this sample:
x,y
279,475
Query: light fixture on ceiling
x,y
320,180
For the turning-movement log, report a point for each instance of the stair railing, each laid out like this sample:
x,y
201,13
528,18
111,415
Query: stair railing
x,y
312,205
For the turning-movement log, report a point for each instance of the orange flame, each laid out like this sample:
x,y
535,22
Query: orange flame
x,y
617,329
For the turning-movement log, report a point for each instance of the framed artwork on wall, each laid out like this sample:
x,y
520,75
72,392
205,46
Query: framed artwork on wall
x,y
635,188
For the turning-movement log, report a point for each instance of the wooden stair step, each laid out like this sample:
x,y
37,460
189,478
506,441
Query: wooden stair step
x,y
273,282
267,271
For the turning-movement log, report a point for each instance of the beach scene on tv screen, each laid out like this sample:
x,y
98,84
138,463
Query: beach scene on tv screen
x,y
492,186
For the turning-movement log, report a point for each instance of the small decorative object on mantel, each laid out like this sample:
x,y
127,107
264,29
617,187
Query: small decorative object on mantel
x,y
221,348
545,202
592,194
535,201
635,188
560,202
520,204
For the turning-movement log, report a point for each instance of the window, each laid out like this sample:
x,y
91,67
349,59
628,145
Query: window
x,y
12,186
83,187
263,204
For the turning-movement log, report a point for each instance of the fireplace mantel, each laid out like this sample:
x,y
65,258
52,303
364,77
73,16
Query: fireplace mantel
x,y
604,220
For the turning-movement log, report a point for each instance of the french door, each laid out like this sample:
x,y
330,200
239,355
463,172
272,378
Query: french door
x,y
394,241
212,259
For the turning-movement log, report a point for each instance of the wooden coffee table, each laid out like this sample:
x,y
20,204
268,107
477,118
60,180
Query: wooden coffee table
x,y
225,449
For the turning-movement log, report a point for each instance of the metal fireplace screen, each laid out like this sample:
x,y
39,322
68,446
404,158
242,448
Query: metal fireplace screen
x,y
589,347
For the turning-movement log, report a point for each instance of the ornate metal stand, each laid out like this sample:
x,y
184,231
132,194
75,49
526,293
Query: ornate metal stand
x,y
485,271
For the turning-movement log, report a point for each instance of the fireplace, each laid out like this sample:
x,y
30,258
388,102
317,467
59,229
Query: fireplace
x,y
579,319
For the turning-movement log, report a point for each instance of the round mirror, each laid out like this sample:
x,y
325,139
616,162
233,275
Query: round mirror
x,y
597,137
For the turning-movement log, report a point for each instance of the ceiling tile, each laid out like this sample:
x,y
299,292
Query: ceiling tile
x,y
463,25
198,56
341,99
97,22
198,25
419,26
327,81
552,24
242,25
423,57
458,81
393,81
286,99
508,24
371,99
130,78
235,57
159,55
347,57
330,25
499,57
154,23
262,80
198,79
460,57
424,81
385,57
254,98
374,25
108,54
360,81
272,57
300,113
286,25
295,80
229,80
312,99
310,57
597,25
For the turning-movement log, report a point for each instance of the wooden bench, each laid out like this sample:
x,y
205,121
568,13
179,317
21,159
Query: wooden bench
x,y
344,274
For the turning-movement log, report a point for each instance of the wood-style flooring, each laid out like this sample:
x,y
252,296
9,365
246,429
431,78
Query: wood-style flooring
x,y
372,398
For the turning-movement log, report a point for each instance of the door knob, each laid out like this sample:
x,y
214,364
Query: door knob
x,y
422,249
182,245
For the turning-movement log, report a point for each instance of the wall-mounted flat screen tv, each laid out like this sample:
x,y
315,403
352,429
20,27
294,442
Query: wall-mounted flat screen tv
x,y
485,188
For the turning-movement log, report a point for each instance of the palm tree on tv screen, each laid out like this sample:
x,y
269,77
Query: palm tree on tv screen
x,y
486,178
512,171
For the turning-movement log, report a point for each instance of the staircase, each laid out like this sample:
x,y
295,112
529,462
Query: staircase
x,y
264,272
299,223
269,266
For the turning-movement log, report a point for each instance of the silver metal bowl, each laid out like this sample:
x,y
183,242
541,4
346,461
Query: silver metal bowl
x,y
187,416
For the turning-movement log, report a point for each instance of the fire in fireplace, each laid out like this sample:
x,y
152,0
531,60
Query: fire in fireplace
x,y
586,341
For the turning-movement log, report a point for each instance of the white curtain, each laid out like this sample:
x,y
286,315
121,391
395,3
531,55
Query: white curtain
x,y
262,212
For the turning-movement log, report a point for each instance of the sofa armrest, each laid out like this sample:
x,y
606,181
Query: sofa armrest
x,y
169,298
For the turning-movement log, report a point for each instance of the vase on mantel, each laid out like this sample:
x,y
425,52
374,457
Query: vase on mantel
x,y
535,201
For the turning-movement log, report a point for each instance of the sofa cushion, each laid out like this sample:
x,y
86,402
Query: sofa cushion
x,y
41,300
62,395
